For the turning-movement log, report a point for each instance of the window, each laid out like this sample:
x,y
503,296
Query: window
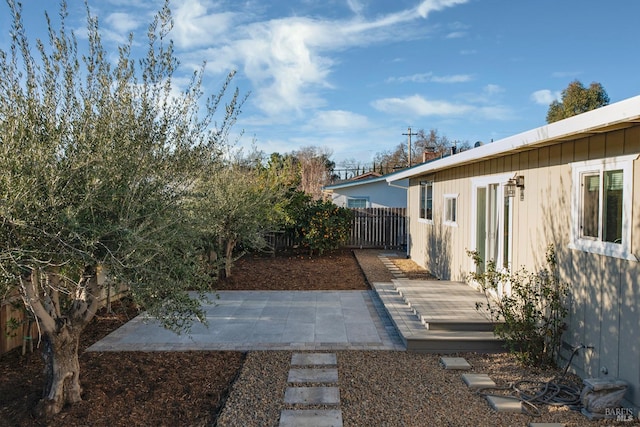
x,y
357,202
450,209
601,206
426,200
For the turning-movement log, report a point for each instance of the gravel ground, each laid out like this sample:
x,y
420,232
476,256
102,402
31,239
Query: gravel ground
x,y
390,388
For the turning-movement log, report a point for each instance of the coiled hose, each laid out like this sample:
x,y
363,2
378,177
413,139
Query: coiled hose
x,y
557,392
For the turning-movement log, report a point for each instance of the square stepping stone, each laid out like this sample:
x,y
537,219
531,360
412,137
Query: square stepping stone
x,y
458,363
505,404
317,375
312,395
475,381
309,359
311,417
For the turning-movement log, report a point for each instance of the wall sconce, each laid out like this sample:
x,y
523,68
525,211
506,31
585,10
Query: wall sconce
x,y
512,184
510,188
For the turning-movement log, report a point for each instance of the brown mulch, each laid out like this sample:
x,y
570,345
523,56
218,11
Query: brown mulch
x,y
164,388
295,271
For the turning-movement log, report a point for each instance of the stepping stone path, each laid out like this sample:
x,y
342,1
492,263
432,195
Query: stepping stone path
x,y
479,381
393,269
312,368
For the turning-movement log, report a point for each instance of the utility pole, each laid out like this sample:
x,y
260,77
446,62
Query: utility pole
x,y
409,138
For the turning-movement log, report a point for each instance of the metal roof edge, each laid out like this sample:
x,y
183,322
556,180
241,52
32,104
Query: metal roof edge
x,y
625,111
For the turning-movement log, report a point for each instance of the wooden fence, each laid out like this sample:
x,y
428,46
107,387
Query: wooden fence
x,y
16,330
379,228
371,228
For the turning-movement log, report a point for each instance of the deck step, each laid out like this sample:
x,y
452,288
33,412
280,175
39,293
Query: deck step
x,y
416,337
456,325
454,342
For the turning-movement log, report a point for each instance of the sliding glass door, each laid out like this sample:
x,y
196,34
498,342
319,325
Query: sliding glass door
x,y
491,217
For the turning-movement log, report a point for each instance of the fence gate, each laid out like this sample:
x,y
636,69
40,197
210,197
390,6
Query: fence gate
x,y
378,228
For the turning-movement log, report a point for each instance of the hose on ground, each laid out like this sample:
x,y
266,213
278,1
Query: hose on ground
x,y
557,392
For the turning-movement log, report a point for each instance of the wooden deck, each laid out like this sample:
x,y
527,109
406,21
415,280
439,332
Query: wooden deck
x,y
438,316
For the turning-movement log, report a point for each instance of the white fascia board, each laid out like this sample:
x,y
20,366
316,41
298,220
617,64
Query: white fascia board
x,y
624,111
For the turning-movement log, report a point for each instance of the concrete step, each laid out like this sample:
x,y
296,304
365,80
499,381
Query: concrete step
x,y
454,342
477,381
456,325
505,404
311,359
311,417
312,395
313,375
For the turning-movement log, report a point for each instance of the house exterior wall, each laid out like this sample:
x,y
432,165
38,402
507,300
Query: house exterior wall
x,y
604,303
380,195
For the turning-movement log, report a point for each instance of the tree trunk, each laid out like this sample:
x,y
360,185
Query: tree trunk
x,y
61,333
228,262
62,370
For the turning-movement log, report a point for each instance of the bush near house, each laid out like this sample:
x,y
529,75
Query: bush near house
x,y
315,224
532,313
326,226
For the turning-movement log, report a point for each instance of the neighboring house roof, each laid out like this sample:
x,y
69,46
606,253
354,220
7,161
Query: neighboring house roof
x,y
358,182
612,117
366,175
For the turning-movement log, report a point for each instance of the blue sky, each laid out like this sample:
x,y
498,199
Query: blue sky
x,y
351,75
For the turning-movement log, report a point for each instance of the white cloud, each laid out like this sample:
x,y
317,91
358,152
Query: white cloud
x,y
428,6
355,6
492,89
196,26
122,23
417,105
430,77
545,96
456,35
289,60
338,121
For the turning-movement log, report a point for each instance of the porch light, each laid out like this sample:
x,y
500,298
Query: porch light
x,y
510,188
511,185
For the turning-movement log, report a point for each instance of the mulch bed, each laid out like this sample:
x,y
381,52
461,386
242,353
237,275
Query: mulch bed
x,y
164,388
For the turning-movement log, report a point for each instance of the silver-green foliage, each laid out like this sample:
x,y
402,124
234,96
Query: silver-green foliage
x,y
97,159
531,315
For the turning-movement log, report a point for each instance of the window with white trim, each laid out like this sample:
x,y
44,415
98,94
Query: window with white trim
x,y
450,209
357,202
601,206
426,200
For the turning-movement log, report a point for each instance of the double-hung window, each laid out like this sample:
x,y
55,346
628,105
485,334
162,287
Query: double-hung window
x,y
357,202
426,200
450,209
601,206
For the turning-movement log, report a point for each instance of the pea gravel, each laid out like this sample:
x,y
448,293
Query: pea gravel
x,y
390,388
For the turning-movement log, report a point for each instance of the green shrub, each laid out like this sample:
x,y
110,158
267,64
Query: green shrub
x,y
531,314
326,226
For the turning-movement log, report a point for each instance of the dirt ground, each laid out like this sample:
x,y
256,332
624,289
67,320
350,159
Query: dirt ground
x,y
161,388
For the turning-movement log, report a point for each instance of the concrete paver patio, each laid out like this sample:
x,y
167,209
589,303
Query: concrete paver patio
x,y
270,320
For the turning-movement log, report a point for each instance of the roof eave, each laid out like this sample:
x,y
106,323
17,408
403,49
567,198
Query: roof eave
x,y
612,117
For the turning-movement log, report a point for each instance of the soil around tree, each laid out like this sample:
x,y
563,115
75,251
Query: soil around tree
x,y
164,388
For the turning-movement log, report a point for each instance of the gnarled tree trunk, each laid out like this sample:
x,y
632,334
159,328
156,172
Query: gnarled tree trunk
x,y
62,370
61,332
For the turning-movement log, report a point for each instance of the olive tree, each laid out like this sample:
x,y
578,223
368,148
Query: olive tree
x,y
97,159
236,206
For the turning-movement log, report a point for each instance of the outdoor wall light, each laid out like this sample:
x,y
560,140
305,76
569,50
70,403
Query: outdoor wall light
x,y
510,188
512,184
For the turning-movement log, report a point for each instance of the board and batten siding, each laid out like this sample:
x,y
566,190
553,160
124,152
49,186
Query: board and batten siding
x,y
604,291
